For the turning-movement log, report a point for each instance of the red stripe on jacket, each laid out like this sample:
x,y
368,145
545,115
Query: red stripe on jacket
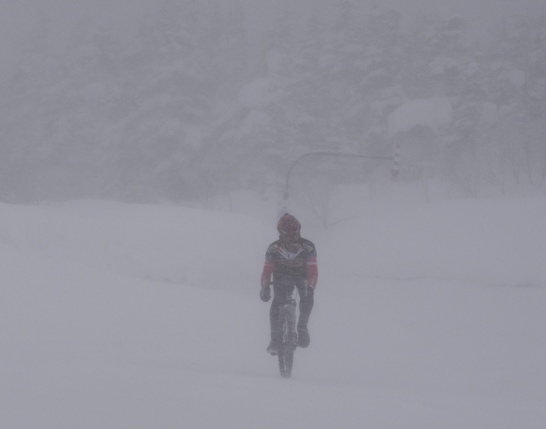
x,y
266,273
312,272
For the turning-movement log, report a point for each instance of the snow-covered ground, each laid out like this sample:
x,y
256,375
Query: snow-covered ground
x,y
427,316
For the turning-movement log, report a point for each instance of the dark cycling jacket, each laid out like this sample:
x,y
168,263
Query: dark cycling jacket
x,y
292,261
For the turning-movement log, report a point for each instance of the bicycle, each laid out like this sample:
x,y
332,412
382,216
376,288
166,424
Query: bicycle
x,y
287,316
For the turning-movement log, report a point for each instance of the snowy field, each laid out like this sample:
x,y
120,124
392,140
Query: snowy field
x,y
427,316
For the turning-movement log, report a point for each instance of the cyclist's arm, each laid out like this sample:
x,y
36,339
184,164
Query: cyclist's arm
x,y
312,272
266,273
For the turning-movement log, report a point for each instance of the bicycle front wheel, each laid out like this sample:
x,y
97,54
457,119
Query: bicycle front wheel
x,y
286,359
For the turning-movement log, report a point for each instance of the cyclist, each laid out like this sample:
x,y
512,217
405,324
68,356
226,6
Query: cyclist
x,y
292,261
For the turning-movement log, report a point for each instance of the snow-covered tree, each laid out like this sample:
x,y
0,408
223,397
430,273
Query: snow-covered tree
x,y
160,136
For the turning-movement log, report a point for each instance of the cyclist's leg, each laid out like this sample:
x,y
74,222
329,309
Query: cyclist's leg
x,y
280,290
307,300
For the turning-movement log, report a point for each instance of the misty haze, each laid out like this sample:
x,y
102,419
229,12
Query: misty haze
x,y
147,149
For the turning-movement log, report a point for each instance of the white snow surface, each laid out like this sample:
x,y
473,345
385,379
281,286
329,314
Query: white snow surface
x,y
427,316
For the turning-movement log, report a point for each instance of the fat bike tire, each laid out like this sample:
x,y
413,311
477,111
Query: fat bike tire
x,y
286,360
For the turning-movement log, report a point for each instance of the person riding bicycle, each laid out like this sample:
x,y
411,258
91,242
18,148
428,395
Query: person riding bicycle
x,y
292,261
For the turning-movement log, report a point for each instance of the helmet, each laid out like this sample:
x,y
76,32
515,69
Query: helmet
x,y
288,225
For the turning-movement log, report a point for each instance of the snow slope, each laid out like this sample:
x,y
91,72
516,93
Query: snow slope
x,y
127,316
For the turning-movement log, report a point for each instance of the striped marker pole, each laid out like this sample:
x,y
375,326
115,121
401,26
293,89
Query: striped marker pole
x,y
396,163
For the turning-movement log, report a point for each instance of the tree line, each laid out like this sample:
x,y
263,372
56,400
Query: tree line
x,y
191,107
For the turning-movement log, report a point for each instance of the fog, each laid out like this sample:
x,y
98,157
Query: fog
x,y
147,148
123,16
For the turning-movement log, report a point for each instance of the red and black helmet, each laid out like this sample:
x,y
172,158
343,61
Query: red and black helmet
x,y
288,225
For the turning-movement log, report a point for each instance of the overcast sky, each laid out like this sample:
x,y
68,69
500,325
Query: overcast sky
x,y
17,16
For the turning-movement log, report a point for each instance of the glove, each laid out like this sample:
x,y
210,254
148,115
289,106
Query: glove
x,y
265,293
